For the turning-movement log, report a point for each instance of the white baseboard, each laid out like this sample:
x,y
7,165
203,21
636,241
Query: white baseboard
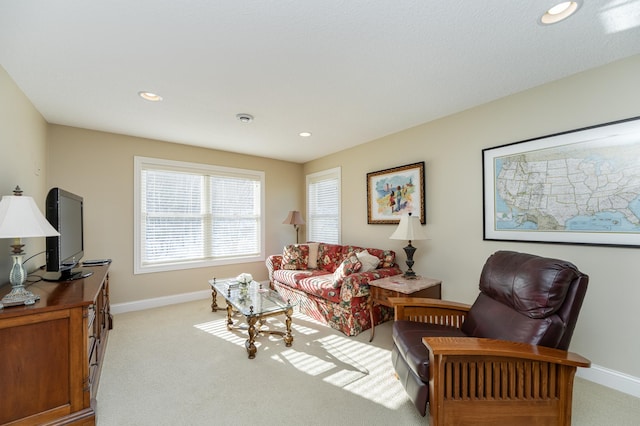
x,y
156,302
603,376
611,378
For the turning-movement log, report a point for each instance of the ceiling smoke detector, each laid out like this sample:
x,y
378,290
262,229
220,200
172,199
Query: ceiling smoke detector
x,y
245,118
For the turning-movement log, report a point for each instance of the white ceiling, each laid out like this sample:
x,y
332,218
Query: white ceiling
x,y
349,71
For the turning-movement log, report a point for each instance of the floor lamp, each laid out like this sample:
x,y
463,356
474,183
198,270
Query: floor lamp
x,y
409,229
294,218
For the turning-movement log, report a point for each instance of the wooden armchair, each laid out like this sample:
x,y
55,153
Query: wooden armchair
x,y
490,363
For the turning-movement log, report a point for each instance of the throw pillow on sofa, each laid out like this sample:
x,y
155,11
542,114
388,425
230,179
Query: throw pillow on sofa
x,y
348,266
387,257
330,256
313,255
295,256
369,261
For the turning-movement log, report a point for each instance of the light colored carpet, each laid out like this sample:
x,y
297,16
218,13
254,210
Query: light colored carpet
x,y
178,365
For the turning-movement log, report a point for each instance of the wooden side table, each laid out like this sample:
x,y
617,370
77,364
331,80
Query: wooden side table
x,y
398,286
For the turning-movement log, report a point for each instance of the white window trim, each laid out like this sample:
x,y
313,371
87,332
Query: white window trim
x,y
139,162
329,173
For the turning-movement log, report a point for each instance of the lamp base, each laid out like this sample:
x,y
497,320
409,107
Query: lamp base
x,y
19,296
410,250
410,275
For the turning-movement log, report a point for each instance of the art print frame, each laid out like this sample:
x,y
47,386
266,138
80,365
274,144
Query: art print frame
x,y
576,187
394,192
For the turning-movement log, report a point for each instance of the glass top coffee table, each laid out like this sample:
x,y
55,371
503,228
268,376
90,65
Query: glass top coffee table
x,y
256,304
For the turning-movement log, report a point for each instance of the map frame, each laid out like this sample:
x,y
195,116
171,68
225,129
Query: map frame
x,y
614,138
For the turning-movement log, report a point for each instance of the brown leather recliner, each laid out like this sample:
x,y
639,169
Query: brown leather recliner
x,y
523,298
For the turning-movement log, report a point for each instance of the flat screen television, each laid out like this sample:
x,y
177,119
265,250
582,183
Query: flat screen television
x,y
64,211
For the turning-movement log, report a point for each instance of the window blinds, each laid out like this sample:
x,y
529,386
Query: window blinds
x,y
194,215
323,211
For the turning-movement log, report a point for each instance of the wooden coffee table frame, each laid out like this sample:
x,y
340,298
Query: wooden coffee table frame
x,y
254,321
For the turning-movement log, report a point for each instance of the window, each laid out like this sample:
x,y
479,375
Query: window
x,y
323,206
195,215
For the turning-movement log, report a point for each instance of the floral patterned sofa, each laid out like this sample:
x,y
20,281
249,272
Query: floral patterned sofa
x,y
329,282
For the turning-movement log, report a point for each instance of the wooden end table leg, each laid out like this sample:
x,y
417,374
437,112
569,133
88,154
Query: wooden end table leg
x,y
288,338
250,343
373,324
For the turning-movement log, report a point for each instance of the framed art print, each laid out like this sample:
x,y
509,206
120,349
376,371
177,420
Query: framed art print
x,y
392,193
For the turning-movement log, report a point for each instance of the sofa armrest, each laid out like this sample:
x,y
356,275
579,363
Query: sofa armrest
x,y
499,381
433,311
357,284
273,262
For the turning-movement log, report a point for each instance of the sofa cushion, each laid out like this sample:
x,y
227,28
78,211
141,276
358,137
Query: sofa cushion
x,y
348,266
321,285
293,278
295,256
347,250
508,277
369,261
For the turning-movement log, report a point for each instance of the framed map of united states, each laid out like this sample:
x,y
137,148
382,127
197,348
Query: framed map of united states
x,y
576,187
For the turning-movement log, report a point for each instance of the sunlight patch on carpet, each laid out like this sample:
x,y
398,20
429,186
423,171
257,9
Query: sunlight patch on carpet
x,y
350,365
368,371
309,364
344,362
306,318
219,328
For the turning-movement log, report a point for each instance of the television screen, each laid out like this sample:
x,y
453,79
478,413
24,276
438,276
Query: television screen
x,y
64,211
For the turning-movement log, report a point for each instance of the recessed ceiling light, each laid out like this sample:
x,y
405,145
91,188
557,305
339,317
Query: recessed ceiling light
x,y
559,12
149,96
245,118
305,134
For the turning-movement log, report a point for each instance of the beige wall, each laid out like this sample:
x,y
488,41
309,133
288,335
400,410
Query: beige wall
x,y
22,162
451,148
99,166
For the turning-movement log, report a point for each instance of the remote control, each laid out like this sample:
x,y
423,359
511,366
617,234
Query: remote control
x,y
96,262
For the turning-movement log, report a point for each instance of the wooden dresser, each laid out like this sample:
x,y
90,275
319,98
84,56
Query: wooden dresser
x,y
51,352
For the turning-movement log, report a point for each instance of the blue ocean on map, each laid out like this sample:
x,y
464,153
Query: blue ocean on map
x,y
621,219
507,219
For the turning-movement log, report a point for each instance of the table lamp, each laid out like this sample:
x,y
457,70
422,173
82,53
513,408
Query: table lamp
x,y
21,218
409,229
294,218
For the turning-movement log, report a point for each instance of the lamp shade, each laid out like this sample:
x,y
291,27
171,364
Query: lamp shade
x,y
409,229
294,218
21,218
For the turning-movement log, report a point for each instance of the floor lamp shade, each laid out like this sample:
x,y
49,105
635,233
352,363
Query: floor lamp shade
x,y
294,218
409,229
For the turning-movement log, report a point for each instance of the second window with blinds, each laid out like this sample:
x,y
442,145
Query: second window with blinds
x,y
191,215
323,206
